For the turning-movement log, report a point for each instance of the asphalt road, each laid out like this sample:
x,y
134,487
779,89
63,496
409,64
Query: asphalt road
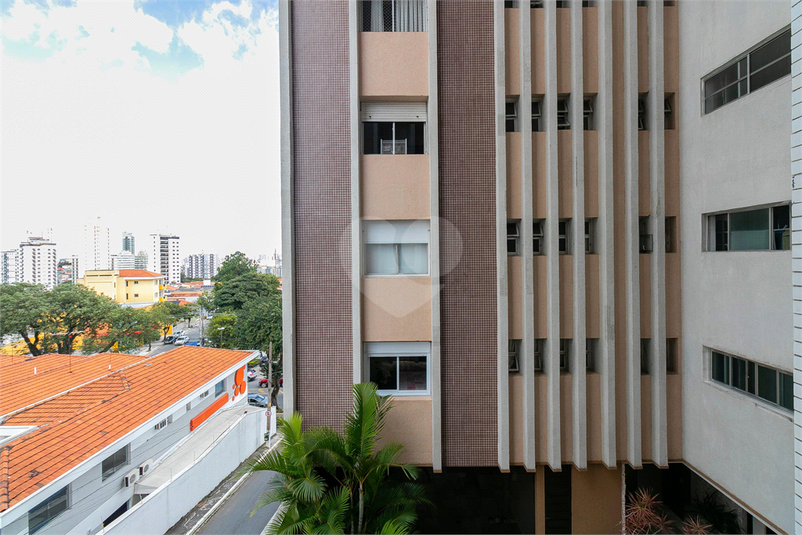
x,y
233,517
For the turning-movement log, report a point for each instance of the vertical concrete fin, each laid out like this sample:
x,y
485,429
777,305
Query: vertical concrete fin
x,y
578,365
632,277
356,227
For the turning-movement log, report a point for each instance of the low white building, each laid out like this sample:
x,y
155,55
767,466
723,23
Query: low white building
x,y
123,443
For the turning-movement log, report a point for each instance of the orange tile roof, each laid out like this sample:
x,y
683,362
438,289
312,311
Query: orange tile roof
x,y
28,381
79,424
186,294
139,273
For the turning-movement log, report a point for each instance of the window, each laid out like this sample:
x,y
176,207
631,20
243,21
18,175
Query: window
x,y
393,127
644,355
564,236
537,115
771,385
750,230
514,351
136,295
204,394
540,350
49,509
114,462
588,113
671,234
642,112
399,367
511,111
161,425
219,388
590,235
537,236
565,354
562,114
759,67
396,247
189,406
668,110
393,15
513,233
136,282
591,350
535,3
672,355
644,235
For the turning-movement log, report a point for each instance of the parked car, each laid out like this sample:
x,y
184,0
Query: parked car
x,y
177,333
251,374
257,400
181,340
263,382
169,339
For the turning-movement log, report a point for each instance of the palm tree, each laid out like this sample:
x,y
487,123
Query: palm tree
x,y
328,482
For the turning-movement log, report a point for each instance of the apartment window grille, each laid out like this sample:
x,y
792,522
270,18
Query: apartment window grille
x,y
563,122
540,350
591,351
756,68
642,112
590,235
758,229
771,385
565,354
644,235
511,113
399,367
644,355
537,115
513,235
587,120
42,514
114,462
396,247
393,15
671,234
537,236
564,236
514,351
219,388
672,355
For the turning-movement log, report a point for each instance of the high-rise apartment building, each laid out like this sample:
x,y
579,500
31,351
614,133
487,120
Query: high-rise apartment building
x,y
10,265
96,251
38,262
128,242
141,260
123,260
561,240
163,257
201,266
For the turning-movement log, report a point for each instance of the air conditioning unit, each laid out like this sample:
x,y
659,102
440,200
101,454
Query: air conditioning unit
x,y
131,478
144,468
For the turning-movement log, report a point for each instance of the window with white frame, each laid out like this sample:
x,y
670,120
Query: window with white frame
x,y
511,115
393,127
537,115
513,354
563,122
590,235
513,235
537,236
760,229
756,68
399,368
219,388
114,462
565,354
564,236
396,247
162,424
769,384
42,514
588,105
393,15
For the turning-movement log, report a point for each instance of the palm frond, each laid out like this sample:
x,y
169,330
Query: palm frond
x,y
310,488
391,528
331,513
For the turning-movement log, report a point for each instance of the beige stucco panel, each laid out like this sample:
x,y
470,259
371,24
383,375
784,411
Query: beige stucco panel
x,y
674,416
565,174
593,399
538,26
591,173
673,297
593,312
563,51
512,50
672,169
395,186
410,423
645,276
396,309
539,174
541,303
644,187
515,269
646,417
541,424
514,185
566,417
670,49
567,296
590,49
516,419
596,500
394,64
643,49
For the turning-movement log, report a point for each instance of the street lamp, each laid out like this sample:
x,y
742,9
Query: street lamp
x,y
221,335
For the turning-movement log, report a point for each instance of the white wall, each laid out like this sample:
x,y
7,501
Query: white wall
x,y
796,225
739,302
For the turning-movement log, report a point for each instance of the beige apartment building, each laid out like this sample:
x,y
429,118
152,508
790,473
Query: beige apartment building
x,y
484,212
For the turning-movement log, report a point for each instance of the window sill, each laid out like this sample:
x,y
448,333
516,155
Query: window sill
x,y
418,394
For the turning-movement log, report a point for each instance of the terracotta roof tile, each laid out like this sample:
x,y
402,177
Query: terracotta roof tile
x,y
139,273
76,425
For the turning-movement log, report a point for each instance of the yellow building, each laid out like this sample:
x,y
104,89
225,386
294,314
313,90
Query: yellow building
x,y
132,287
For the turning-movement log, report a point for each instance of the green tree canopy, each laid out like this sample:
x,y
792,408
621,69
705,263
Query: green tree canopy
x,y
233,266
22,311
222,330
127,329
259,323
250,286
167,313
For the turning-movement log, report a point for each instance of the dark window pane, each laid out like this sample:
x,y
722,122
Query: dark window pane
x,y
749,231
767,384
721,80
750,377
383,372
409,138
773,50
739,373
412,373
773,72
114,462
786,391
782,227
722,233
43,513
374,133
721,368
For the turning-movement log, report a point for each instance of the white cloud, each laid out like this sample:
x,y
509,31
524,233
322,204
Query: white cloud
x,y
198,156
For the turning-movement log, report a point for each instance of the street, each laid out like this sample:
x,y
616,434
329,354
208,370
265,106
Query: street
x,y
233,517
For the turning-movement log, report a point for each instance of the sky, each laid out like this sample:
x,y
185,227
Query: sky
x,y
154,115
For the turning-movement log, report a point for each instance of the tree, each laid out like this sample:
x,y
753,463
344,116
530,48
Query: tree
x,y
167,313
259,326
250,286
329,482
74,309
222,329
22,310
127,329
233,266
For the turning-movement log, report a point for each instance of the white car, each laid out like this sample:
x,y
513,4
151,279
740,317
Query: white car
x,y
181,340
251,374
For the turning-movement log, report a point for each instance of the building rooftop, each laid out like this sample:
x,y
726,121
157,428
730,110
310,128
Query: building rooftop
x,y
129,273
73,426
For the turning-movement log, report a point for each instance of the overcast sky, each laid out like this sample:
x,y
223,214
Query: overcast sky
x,y
157,116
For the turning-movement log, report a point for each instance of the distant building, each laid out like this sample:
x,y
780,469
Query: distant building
x,y
123,260
163,256
135,445
131,287
201,266
271,266
141,260
128,242
37,262
67,270
96,252
10,267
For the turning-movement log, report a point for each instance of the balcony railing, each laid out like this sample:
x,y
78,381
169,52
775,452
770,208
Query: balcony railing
x,y
392,15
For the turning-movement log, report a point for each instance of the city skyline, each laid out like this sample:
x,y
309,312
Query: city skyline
x,y
110,115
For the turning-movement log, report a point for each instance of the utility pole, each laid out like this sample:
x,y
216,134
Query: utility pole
x,y
270,376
